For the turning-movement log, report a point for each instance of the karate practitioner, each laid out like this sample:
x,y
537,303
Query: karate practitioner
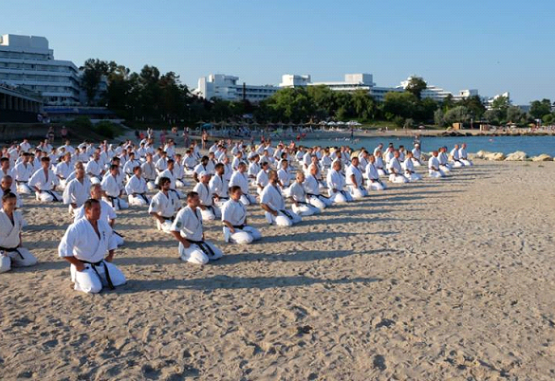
x,y
354,180
273,204
434,169
187,229
297,193
23,172
234,219
149,172
136,189
463,156
336,185
85,245
164,205
44,182
374,182
218,186
113,188
410,173
457,163
12,252
77,190
239,178
208,210
416,155
95,168
395,169
312,187
63,170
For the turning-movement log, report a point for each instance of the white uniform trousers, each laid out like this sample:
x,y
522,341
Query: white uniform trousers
x,y
357,192
248,199
305,210
467,162
199,254
398,179
93,278
138,200
445,167
457,164
412,177
319,201
17,258
210,213
23,188
375,186
436,174
48,196
284,218
165,226
340,197
243,236
151,185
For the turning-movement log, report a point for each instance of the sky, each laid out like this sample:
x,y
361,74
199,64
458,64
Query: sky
x,y
492,46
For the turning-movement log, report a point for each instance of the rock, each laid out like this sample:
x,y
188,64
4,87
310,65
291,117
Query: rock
x,y
517,156
542,157
482,154
494,156
473,156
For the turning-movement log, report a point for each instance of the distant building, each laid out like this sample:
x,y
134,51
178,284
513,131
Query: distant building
x,y
225,87
18,104
27,61
488,102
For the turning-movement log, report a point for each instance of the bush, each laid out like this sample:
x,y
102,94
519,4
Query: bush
x,y
80,123
107,129
399,121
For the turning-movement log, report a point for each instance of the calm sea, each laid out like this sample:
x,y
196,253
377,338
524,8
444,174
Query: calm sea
x,y
532,145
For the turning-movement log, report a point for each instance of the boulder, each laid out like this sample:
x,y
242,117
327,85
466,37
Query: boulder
x,y
482,154
517,156
542,157
473,156
494,156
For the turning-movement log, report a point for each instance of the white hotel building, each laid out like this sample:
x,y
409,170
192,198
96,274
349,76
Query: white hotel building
x,y
27,61
225,87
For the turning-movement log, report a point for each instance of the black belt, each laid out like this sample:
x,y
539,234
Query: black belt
x,y
316,195
204,247
176,193
113,199
51,194
168,218
287,214
21,182
12,250
108,278
142,195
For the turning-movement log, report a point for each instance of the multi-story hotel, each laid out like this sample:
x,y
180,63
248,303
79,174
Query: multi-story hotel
x,y
28,62
225,87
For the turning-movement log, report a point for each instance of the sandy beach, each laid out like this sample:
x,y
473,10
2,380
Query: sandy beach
x,y
438,280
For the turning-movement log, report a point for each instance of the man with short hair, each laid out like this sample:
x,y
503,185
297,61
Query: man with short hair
x,y
23,172
408,165
239,178
433,166
85,245
297,192
44,182
12,252
149,172
354,180
234,219
164,205
187,229
77,190
113,189
336,184
273,204
208,210
136,189
218,186
395,169
374,182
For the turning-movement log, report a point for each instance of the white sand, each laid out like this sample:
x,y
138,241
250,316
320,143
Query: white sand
x,y
441,280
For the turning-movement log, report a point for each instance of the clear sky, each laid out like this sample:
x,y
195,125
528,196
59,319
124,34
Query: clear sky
x,y
492,46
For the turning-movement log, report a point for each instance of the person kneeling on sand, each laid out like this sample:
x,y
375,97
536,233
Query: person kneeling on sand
x,y
164,205
301,203
463,156
374,182
433,166
187,229
85,245
273,204
11,224
234,219
395,170
336,185
410,173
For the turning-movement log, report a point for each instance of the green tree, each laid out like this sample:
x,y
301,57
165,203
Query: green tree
x,y
400,104
93,70
459,114
416,85
538,109
500,103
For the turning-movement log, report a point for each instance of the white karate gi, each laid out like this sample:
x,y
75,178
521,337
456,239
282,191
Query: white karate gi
x,y
443,164
205,195
45,184
10,253
272,197
357,191
136,190
240,179
107,214
417,155
235,213
82,242
77,192
396,171
94,169
433,162
410,174
149,174
463,157
336,181
261,180
374,182
23,173
457,163
298,193
218,187
312,187
189,224
166,207
112,186
63,170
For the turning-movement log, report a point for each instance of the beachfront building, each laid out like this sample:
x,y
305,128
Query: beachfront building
x,y
226,87
18,105
28,62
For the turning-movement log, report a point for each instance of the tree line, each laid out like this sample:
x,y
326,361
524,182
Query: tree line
x,y
152,97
